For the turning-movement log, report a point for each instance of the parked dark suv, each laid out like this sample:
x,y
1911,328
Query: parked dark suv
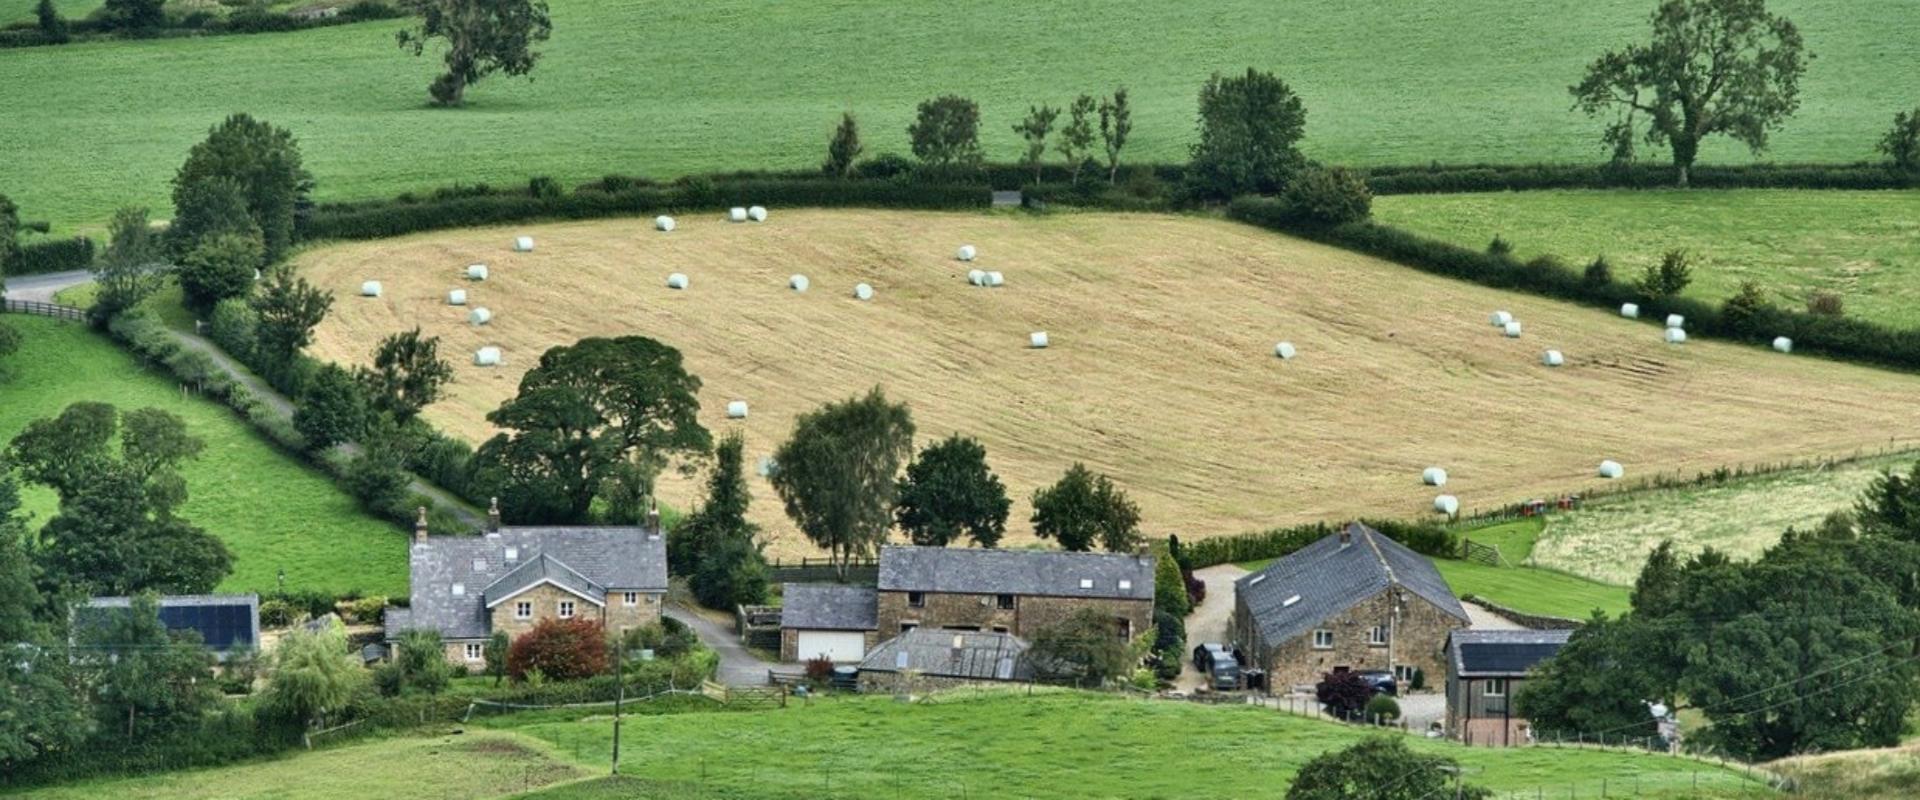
x,y
1380,681
1218,662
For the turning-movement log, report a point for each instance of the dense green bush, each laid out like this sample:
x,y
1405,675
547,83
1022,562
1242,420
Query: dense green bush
x,y
54,255
232,327
1382,709
1421,537
1328,196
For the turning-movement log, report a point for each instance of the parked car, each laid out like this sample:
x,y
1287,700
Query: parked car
x,y
1220,665
1204,654
1380,681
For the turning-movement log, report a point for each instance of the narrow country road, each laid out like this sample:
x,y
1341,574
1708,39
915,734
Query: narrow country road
x,y
41,288
738,666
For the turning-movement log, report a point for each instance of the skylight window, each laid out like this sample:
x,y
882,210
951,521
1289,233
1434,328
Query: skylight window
x,y
513,554
1256,579
459,589
1290,601
1086,583
1126,585
479,565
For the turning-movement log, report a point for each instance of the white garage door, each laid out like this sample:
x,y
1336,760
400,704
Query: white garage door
x,y
839,646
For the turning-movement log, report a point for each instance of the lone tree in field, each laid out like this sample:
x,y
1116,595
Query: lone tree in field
x,y
1116,124
1076,139
1380,768
1712,67
407,374
835,477
1902,142
948,492
946,132
1034,130
1084,508
263,164
582,414
844,148
1668,278
1249,126
483,37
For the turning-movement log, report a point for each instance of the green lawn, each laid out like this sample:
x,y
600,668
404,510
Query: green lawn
x,y
1053,745
663,89
273,511
471,766
1864,246
1608,539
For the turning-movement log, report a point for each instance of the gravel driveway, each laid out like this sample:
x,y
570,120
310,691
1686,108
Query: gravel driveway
x,y
1208,622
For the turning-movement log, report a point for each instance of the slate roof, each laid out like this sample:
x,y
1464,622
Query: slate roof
x,y
225,622
543,569
980,656
1050,573
814,606
613,559
1327,578
1502,653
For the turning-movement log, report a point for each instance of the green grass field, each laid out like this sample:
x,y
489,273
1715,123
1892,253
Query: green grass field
x,y
1608,539
1864,246
1055,744
653,89
472,766
272,511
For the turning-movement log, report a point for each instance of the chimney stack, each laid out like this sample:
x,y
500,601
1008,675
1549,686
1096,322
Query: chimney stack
x,y
653,517
1346,536
493,515
420,526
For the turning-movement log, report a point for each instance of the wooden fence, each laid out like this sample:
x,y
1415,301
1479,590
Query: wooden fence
x,y
746,696
37,308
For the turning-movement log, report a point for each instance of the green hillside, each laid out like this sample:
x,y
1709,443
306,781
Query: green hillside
x,y
663,89
272,511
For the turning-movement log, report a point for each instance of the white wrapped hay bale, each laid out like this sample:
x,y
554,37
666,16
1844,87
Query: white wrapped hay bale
x,y
1284,350
1447,504
1630,310
1499,319
863,291
1552,358
1512,330
476,272
798,283
480,316
663,223
370,289
736,214
757,213
1676,321
677,280
523,244
1037,340
966,253
1783,344
996,279
977,277
457,297
1676,336
1433,476
486,357
1611,470
737,409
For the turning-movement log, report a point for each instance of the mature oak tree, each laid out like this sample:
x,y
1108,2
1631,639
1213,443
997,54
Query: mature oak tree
x,y
583,412
482,36
263,163
1249,128
835,476
946,132
1712,67
948,492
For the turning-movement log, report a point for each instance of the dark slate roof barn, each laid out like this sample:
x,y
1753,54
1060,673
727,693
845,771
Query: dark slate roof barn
x,y
1294,593
1017,572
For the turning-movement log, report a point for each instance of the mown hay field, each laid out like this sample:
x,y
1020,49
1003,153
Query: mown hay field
x,y
664,89
1161,370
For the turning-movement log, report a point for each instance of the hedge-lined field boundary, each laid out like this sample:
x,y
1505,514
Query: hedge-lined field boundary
x,y
52,255
1426,538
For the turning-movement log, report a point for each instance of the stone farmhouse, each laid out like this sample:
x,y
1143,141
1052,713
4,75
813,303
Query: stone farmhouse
x,y
1015,592
1484,671
511,578
1355,600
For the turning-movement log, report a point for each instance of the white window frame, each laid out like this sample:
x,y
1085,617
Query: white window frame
x,y
475,651
1322,633
523,609
565,609
630,598
1377,637
1495,687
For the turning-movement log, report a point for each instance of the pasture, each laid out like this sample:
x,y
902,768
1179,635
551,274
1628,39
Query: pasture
x,y
474,766
273,512
1608,540
1161,370
1863,246
641,88
1055,744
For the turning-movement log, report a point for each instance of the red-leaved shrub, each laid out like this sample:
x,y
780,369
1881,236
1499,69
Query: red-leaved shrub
x,y
561,649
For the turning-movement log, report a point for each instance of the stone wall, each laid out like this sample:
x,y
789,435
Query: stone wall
x,y
1416,643
622,617
1030,613
876,682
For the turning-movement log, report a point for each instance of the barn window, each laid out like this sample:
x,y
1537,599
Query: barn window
x,y
917,599
1378,636
1323,639
1005,600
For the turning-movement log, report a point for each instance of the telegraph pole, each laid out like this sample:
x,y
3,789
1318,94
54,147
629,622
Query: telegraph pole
x,y
619,698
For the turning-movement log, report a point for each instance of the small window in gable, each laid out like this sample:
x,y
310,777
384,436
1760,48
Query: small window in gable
x,y
523,610
631,598
566,609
